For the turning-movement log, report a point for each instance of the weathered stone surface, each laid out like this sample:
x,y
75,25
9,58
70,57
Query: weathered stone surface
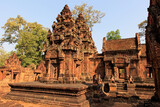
x,y
67,56
145,91
153,42
57,94
131,90
14,72
126,65
71,57
113,90
125,58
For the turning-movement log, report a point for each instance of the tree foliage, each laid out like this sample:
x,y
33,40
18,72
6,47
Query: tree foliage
x,y
3,56
29,38
12,28
142,27
91,15
113,35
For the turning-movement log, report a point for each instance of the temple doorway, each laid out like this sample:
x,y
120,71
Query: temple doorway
x,y
150,72
54,71
14,76
122,73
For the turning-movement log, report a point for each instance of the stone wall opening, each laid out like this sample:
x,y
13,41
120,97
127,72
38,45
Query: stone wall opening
x,y
106,87
14,76
122,73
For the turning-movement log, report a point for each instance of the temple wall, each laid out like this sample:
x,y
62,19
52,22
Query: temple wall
x,y
134,68
28,75
143,70
100,68
153,42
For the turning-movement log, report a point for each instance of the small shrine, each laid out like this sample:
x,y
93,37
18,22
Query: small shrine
x,y
11,69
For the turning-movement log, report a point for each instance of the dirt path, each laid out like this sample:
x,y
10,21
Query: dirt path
x,y
13,103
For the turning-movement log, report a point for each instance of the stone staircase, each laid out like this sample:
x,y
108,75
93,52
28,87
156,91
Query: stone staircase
x,y
121,89
146,89
149,80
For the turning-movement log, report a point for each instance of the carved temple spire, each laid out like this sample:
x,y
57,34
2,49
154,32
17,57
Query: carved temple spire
x,y
49,37
85,34
66,45
80,18
66,11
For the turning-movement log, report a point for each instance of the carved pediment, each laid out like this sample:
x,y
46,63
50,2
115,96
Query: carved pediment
x,y
13,61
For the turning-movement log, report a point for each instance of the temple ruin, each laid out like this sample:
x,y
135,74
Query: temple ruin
x,y
13,72
71,54
71,58
153,42
69,49
124,58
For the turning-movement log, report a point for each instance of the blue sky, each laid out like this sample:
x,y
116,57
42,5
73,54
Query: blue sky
x,y
124,15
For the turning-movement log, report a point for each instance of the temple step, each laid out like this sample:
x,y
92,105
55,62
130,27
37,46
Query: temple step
x,y
149,80
121,91
121,88
122,94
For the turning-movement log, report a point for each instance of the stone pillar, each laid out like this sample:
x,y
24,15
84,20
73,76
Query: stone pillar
x,y
89,63
116,73
85,63
68,63
49,71
61,71
127,71
137,69
11,75
106,74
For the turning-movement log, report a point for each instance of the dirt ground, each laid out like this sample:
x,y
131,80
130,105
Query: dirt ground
x,y
13,103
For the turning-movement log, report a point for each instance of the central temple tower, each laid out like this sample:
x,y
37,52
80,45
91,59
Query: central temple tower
x,y
70,44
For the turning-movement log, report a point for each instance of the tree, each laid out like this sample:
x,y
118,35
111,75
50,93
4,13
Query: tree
x,y
12,28
113,35
29,37
142,27
3,56
90,15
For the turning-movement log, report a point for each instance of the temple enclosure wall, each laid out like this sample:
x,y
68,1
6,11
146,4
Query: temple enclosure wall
x,y
153,42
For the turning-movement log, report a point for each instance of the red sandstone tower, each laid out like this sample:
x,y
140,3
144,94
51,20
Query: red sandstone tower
x,y
69,48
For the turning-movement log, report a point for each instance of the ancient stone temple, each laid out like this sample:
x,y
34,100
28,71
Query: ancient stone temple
x,y
124,58
153,42
12,71
71,56
69,49
126,68
71,60
66,59
12,68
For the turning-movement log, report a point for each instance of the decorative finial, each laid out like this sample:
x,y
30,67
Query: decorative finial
x,y
66,7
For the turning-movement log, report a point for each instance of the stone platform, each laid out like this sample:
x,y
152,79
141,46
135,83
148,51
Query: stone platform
x,y
54,94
